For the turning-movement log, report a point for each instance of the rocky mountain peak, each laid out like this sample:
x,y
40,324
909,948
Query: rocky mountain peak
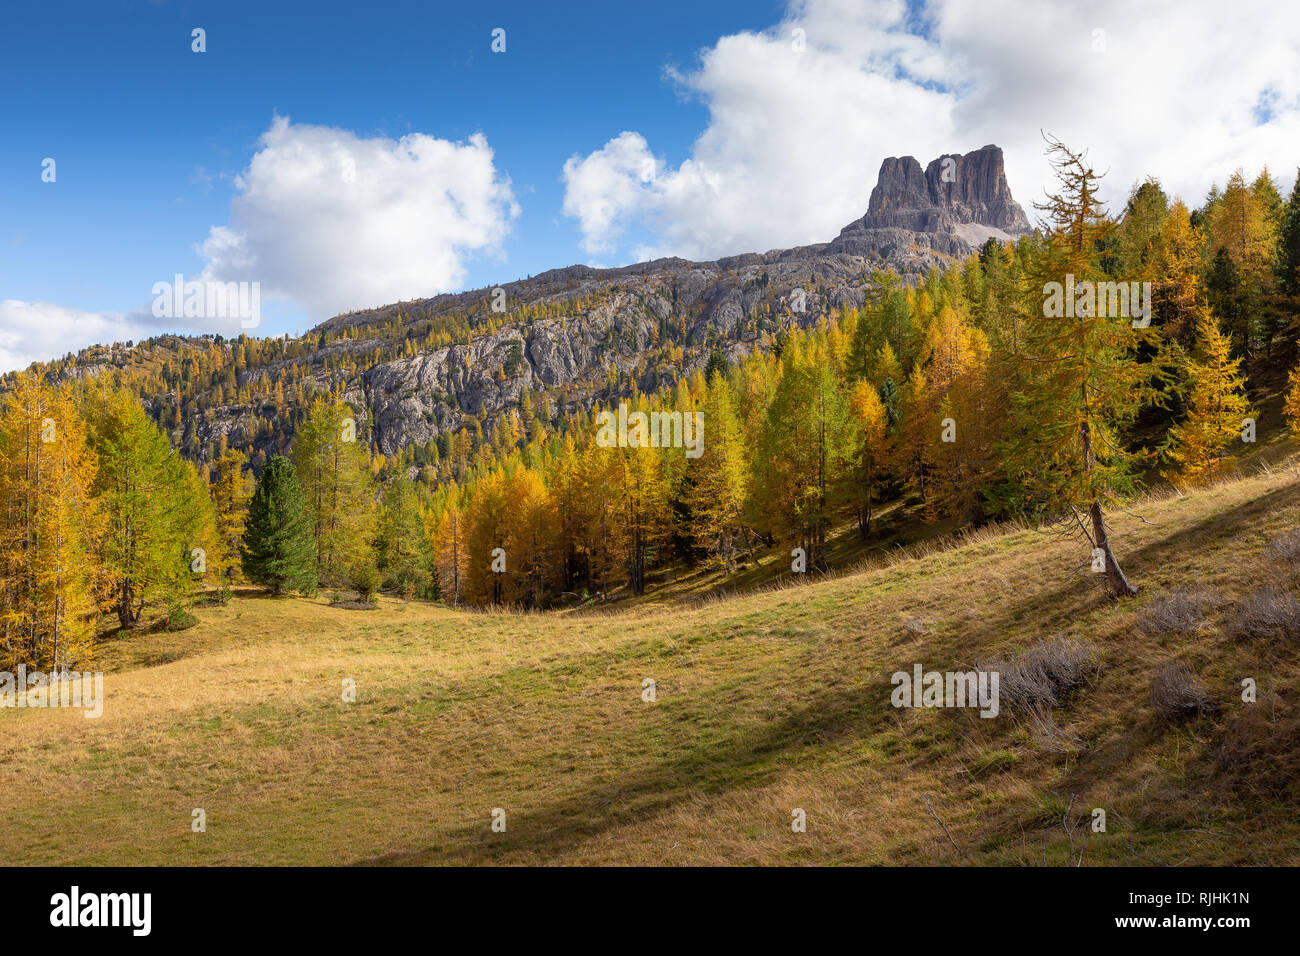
x,y
949,208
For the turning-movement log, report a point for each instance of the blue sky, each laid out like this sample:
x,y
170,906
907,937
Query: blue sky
x,y
606,133
148,135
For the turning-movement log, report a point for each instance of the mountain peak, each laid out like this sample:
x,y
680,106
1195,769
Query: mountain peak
x,y
952,206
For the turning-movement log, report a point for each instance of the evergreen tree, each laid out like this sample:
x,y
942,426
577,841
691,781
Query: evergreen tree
x,y
1288,258
277,549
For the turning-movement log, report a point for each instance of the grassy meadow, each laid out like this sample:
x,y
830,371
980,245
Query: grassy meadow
x,y
766,701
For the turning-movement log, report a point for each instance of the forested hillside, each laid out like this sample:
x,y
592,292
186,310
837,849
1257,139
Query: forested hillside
x,y
970,394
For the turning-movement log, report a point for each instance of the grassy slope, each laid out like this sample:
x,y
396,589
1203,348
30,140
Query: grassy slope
x,y
766,702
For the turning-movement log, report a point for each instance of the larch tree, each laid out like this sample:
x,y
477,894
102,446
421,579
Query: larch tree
x,y
489,561
795,482
451,548
868,430
531,542
971,416
1216,408
405,555
1077,381
1238,227
1177,290
230,493
155,517
48,523
912,448
1292,408
720,479
333,468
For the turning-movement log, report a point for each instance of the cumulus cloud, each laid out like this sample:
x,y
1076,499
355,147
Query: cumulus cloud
x,y
38,331
335,222
801,115
608,188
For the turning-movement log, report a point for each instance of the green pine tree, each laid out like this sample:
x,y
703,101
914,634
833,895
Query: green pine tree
x,y
278,550
1289,243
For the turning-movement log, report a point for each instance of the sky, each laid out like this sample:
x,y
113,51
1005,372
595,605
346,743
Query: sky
x,y
344,156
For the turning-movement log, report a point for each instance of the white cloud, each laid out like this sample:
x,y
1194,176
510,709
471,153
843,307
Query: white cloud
x,y
608,188
337,222
794,140
39,331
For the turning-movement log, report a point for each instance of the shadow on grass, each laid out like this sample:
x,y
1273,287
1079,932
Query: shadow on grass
x,y
748,757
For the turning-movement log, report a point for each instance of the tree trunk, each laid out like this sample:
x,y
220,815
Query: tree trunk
x,y
1119,584
125,611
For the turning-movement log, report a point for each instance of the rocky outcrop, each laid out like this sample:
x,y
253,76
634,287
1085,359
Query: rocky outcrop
x,y
713,306
915,217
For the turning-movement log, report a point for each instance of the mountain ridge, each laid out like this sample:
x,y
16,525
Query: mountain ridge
x,y
569,337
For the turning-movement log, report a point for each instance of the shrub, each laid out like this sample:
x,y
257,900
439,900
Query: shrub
x,y
1271,614
1044,675
179,619
218,597
1180,611
1176,694
1286,548
365,578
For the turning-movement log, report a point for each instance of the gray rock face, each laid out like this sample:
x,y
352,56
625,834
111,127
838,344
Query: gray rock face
x,y
707,306
945,211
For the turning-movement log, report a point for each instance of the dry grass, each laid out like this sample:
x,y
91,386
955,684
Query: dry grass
x,y
1045,675
1285,548
1179,612
1271,614
1176,694
766,702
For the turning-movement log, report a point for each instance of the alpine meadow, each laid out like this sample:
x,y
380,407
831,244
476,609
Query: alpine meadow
x,y
968,535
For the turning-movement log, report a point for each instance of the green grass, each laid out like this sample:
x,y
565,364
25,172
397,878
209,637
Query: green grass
x,y
766,702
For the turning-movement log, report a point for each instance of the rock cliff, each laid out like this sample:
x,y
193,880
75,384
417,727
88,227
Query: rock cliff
x,y
916,218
